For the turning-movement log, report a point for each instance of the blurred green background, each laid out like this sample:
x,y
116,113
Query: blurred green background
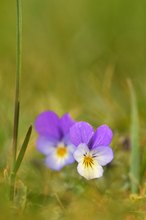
x,y
76,54
77,57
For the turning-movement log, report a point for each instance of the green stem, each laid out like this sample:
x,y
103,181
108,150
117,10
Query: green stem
x,y
12,185
135,148
17,93
18,73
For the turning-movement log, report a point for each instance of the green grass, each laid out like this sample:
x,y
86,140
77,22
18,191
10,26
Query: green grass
x,y
135,149
77,56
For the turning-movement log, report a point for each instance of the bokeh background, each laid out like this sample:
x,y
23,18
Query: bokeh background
x,y
77,57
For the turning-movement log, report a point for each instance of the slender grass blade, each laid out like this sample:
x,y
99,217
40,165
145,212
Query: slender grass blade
x,y
23,150
135,151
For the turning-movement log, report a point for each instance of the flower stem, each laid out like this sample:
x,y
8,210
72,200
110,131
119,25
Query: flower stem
x,y
135,146
18,73
17,92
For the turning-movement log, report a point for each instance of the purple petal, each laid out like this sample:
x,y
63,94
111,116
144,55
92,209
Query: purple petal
x,y
47,124
66,140
65,123
81,132
45,146
103,155
102,137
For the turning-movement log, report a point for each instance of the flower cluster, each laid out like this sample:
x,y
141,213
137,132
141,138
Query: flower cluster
x,y
63,141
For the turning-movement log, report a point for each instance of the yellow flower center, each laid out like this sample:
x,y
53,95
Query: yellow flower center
x,y
88,161
61,151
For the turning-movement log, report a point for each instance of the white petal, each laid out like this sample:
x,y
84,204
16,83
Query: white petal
x,y
71,148
93,172
54,163
80,151
103,155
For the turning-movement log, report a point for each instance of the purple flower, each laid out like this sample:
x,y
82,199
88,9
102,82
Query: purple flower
x,y
92,150
53,140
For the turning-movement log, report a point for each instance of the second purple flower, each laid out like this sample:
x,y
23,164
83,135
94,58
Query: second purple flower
x,y
53,140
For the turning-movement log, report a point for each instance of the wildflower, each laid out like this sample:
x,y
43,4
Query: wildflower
x,y
92,150
53,140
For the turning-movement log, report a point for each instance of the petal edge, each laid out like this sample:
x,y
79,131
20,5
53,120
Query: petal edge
x,y
47,124
81,132
102,137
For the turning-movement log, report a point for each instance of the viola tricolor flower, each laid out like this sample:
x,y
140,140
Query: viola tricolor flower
x,y
53,140
92,150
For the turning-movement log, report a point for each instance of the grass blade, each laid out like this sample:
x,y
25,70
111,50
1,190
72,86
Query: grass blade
x,y
23,150
15,129
135,151
17,92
